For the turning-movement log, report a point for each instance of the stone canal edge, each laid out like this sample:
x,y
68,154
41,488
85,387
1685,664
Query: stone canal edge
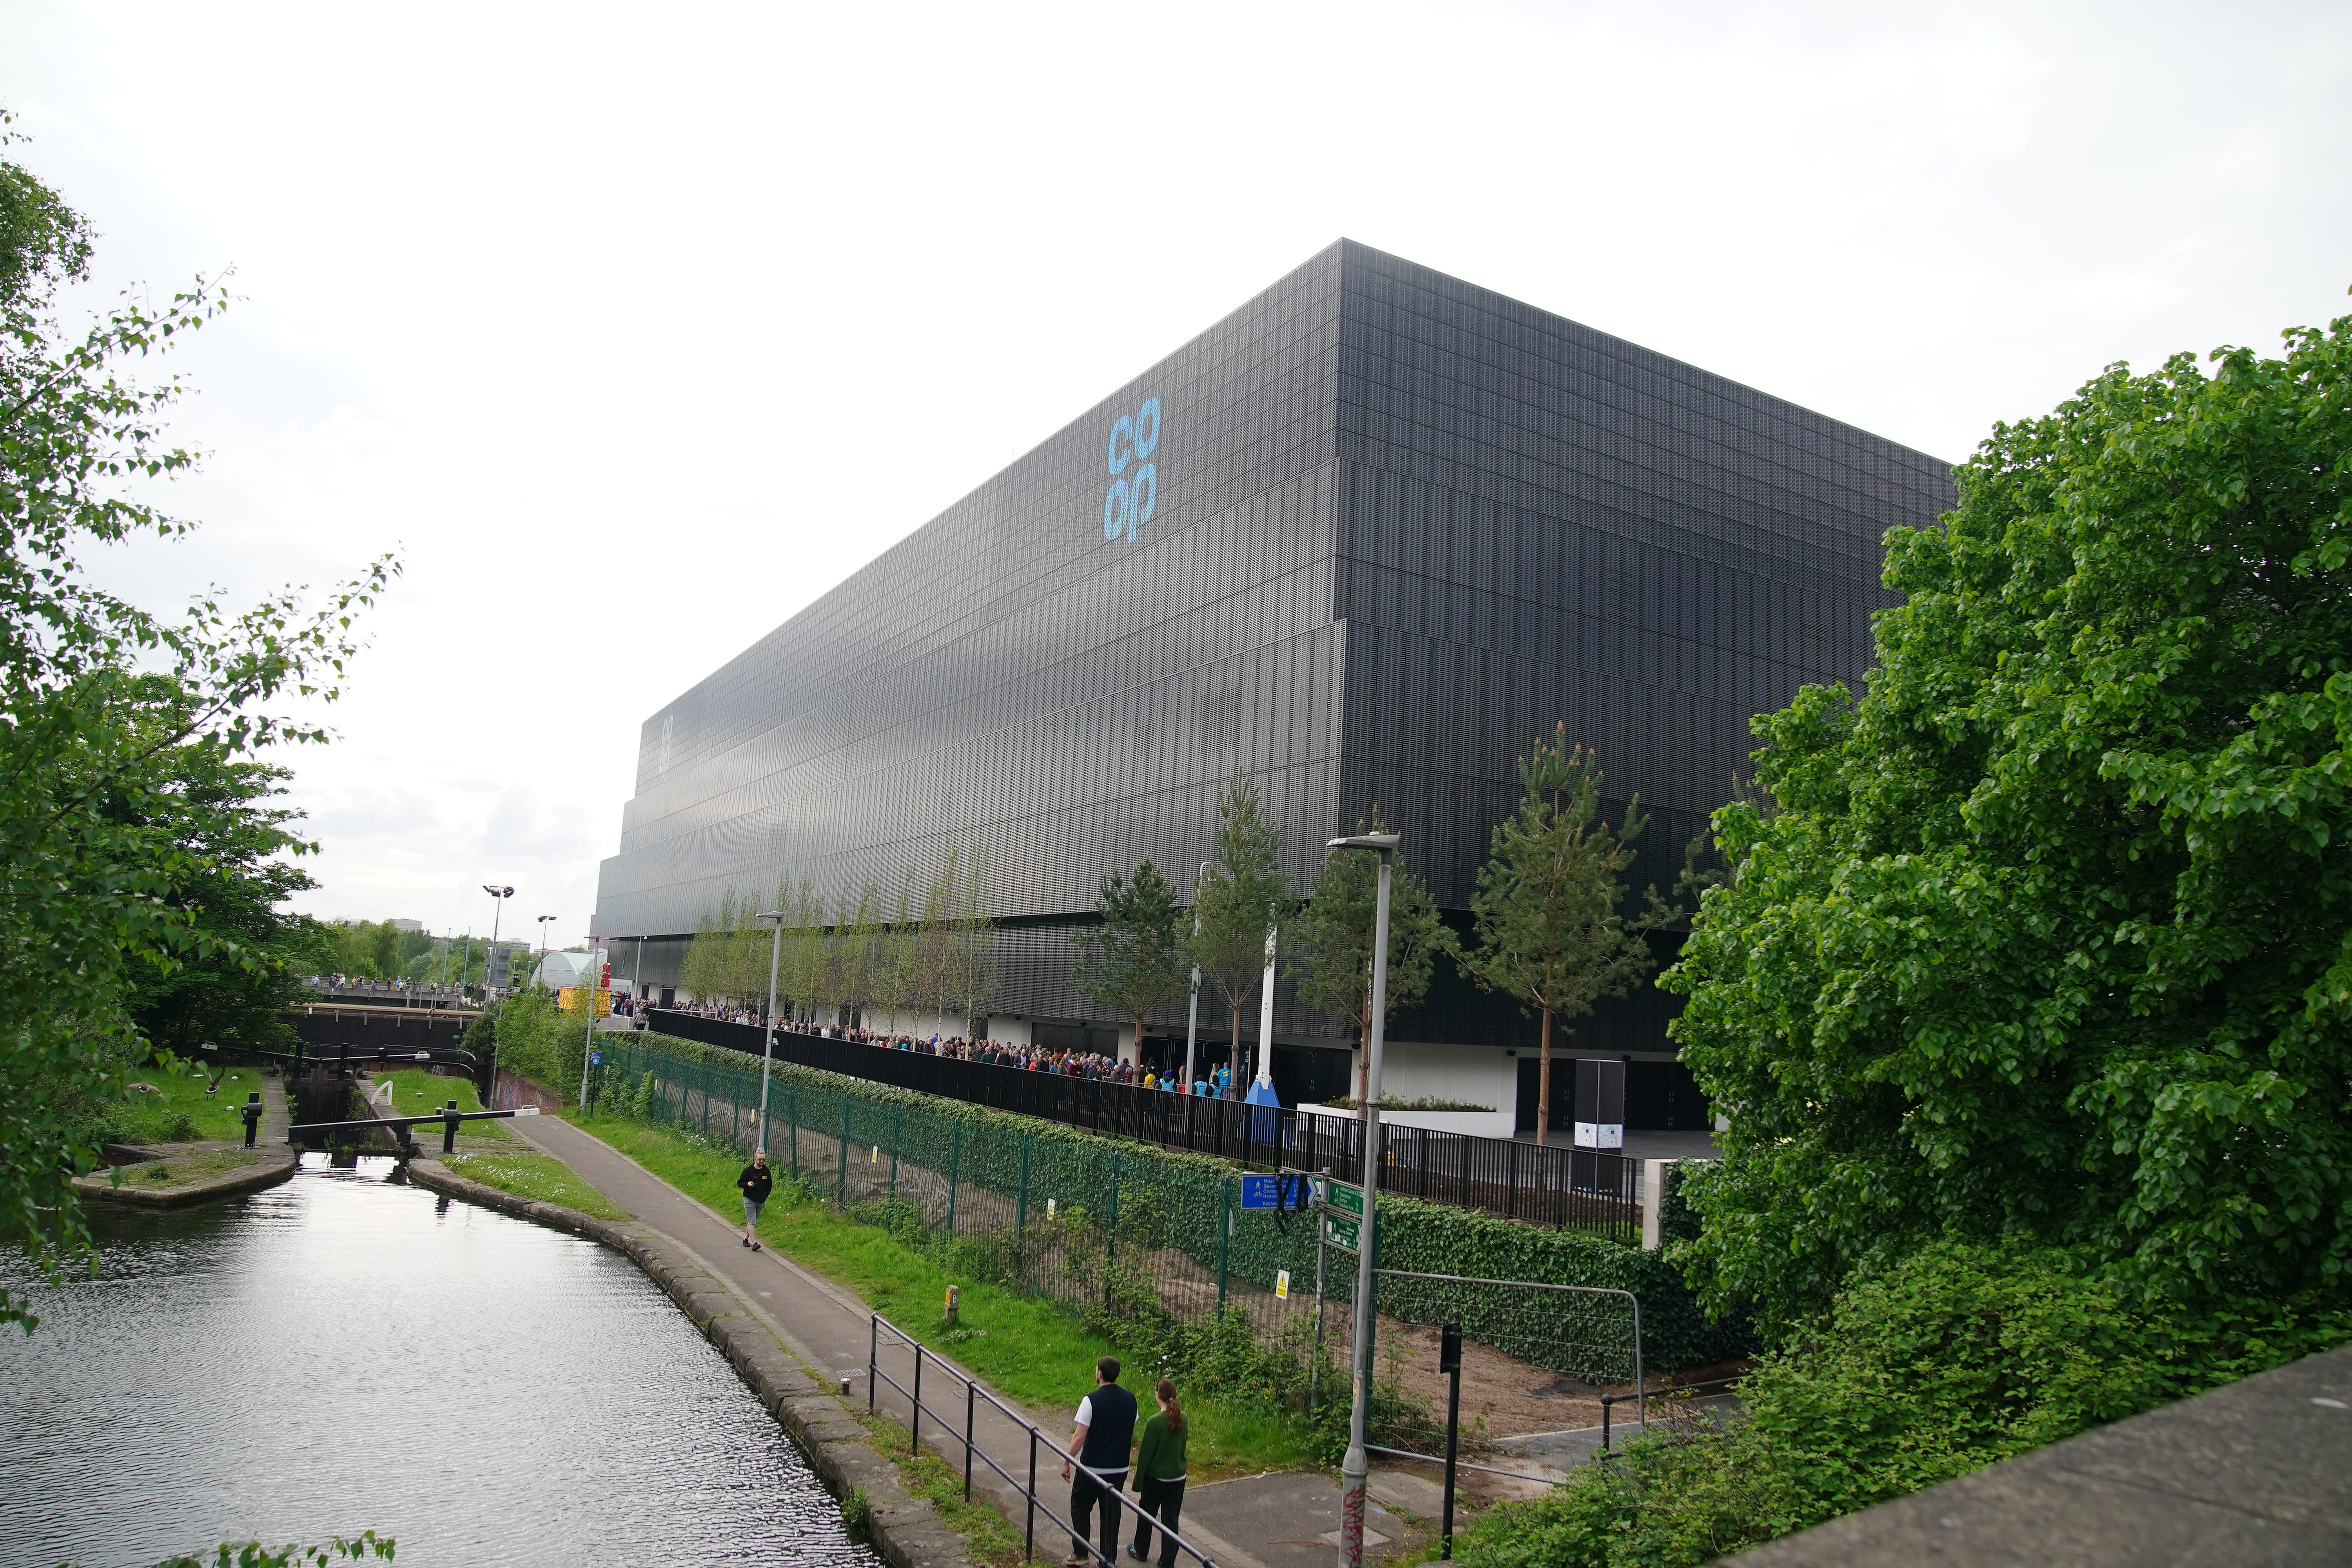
x,y
906,1529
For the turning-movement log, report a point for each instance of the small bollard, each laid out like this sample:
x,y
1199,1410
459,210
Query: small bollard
x,y
844,1387
251,1111
449,1129
955,1299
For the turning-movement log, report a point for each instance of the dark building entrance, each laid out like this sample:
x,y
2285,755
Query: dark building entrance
x,y
1312,1074
1660,1097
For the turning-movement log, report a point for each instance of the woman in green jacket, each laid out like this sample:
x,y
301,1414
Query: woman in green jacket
x,y
1160,1476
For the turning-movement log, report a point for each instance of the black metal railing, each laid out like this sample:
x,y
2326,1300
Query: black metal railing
x,y
1581,1189
1108,1492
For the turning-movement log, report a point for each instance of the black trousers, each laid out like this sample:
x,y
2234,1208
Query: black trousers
x,y
1085,1493
1163,1501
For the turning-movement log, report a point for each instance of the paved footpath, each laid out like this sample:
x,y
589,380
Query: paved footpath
x,y
1276,1521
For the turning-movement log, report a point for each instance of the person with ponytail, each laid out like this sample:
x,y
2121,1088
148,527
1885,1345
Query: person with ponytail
x,y
1160,1476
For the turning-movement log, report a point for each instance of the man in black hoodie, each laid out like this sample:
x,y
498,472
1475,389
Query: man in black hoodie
x,y
1104,1432
756,1182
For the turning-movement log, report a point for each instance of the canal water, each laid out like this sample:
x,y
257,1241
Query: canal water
x,y
339,1353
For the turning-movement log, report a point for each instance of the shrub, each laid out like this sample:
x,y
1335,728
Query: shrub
x,y
1961,1355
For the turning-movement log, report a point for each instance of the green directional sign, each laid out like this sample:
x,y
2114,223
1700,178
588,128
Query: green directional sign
x,y
1343,1217
1341,1231
1346,1199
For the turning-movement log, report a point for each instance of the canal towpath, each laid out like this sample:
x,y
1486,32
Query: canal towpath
x,y
1282,1520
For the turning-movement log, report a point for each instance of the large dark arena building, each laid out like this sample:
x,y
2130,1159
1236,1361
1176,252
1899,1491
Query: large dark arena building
x,y
1363,540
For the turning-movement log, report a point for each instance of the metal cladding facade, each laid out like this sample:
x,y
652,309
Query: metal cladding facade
x,y
1363,541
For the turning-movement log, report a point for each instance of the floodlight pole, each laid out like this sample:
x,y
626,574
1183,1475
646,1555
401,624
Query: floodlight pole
x,y
767,1047
1356,1469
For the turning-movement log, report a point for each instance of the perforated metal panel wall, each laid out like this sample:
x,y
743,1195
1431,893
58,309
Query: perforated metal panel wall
x,y
1396,527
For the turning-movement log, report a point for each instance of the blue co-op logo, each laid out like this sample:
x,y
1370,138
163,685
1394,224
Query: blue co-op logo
x,y
1134,478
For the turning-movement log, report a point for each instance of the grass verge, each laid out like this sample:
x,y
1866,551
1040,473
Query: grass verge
x,y
415,1091
1028,1350
990,1537
173,1106
181,1169
542,1177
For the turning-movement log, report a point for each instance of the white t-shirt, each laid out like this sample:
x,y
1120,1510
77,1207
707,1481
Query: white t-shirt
x,y
1085,1417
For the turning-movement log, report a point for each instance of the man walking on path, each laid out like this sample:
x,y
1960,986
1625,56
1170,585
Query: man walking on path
x,y
1104,1430
756,1183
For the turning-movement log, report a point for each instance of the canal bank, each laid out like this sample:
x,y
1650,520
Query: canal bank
x,y
180,1175
342,1351
1271,1521
772,1362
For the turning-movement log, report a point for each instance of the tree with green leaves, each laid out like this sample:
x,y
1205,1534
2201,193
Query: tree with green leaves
x,y
232,987
2050,934
974,962
108,862
1332,937
1136,958
1238,902
1549,913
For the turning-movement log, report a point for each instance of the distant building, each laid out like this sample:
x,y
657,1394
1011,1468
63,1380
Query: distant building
x,y
408,925
557,969
1364,541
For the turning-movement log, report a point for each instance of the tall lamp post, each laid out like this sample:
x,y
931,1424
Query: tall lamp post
x,y
1356,1466
499,897
767,1045
542,940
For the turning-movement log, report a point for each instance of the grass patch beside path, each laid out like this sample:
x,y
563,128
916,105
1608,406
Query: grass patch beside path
x,y
540,1177
181,1169
174,1107
992,1537
415,1091
1029,1350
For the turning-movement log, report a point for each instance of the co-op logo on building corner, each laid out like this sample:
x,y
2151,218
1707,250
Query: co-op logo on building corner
x,y
1134,478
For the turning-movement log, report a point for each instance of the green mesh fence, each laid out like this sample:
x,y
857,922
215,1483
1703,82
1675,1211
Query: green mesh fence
x,y
1100,1228
1138,1237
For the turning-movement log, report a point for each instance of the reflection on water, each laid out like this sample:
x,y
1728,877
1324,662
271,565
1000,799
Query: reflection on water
x,y
338,1353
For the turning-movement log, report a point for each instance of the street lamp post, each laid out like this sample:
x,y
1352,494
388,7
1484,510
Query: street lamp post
x,y
1356,1466
543,940
499,897
767,1045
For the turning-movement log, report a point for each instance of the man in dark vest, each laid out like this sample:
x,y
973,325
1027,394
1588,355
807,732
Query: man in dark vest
x,y
1106,1429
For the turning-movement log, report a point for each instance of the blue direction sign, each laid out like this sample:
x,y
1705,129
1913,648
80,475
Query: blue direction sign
x,y
596,1059
1293,1190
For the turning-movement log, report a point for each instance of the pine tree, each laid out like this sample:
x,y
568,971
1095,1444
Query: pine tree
x,y
1136,959
1546,916
1332,939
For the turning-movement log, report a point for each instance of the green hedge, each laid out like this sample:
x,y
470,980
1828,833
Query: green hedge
x,y
1122,1206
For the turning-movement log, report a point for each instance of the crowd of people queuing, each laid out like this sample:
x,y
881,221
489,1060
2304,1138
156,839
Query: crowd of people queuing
x,y
999,1053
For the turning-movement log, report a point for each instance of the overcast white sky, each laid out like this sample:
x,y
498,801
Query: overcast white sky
x,y
635,329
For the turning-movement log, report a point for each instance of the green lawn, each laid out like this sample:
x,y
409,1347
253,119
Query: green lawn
x,y
416,1091
538,1176
184,1168
1029,1350
178,1110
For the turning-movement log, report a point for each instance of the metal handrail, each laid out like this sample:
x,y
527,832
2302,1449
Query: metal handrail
x,y
972,1391
1608,1401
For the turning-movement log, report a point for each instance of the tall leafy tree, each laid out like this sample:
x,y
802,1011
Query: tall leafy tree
x,y
975,959
1238,901
1549,913
107,710
231,988
1332,940
1136,959
2051,934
